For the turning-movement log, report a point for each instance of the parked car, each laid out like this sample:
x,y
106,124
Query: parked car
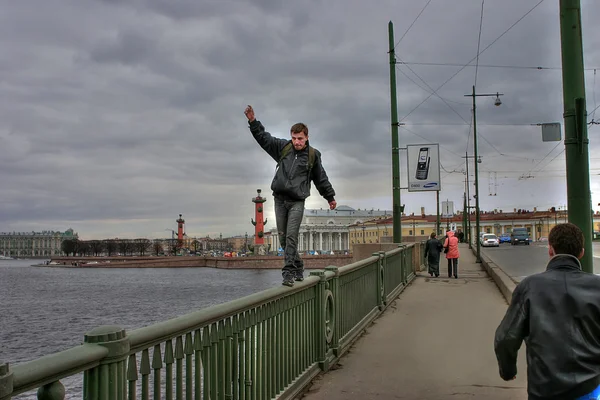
x,y
504,238
490,240
518,236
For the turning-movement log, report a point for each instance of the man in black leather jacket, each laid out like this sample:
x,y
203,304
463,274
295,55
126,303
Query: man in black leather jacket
x,y
557,314
291,187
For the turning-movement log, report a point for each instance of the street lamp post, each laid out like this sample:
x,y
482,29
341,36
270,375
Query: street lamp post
x,y
497,103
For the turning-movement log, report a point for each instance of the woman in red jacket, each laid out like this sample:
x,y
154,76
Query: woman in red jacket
x,y
452,254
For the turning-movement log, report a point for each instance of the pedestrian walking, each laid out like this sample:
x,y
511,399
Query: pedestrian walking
x,y
433,248
297,165
557,314
452,254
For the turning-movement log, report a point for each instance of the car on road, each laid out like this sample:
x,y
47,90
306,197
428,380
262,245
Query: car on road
x,y
518,236
504,238
490,240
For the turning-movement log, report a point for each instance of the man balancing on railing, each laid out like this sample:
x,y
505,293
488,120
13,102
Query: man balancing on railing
x,y
297,165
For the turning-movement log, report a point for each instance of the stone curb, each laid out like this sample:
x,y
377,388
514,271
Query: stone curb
x,y
501,278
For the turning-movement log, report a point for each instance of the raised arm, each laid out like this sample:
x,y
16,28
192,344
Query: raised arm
x,y
270,144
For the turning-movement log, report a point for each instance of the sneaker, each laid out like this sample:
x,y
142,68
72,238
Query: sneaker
x,y
299,276
288,281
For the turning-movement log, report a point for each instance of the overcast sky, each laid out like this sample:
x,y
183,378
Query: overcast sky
x,y
118,115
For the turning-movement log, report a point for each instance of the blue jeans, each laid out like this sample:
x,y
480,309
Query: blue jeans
x,y
288,215
595,395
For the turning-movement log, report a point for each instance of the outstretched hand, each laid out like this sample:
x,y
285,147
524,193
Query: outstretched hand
x,y
250,113
332,205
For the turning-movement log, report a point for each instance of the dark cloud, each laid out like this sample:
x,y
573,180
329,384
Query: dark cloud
x,y
117,116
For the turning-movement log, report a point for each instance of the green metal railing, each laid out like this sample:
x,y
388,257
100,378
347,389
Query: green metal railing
x,y
267,345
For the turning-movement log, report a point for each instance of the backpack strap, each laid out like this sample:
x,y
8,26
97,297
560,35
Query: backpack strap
x,y
311,156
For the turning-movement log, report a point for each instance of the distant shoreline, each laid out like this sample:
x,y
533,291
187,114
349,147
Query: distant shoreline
x,y
252,262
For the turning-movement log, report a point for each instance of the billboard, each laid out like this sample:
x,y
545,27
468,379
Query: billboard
x,y
423,167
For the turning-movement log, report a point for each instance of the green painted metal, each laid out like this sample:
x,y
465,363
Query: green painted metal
x,y
397,209
264,346
51,391
575,117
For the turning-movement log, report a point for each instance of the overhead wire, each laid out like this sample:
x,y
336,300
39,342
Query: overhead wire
x,y
435,93
429,140
479,42
536,165
487,66
411,25
426,90
465,65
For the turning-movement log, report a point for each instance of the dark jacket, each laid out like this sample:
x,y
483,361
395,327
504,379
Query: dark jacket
x,y
291,181
433,247
557,313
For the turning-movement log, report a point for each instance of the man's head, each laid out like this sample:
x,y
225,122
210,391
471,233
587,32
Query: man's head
x,y
433,235
566,239
299,133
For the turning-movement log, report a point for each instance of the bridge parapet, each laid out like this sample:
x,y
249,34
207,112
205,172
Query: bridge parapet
x,y
266,345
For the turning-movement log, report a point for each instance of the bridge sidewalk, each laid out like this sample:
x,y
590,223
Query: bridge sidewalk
x,y
435,342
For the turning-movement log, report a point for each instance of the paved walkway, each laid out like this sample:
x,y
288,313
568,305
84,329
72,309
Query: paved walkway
x,y
435,342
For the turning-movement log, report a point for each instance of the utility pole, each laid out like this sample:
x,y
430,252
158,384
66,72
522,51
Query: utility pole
x,y
397,210
468,201
465,215
437,225
478,258
575,117
497,103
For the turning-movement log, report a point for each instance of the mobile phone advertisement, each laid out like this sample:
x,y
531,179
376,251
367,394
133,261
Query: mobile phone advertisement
x,y
423,167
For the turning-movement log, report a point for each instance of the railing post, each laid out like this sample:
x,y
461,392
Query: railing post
x,y
320,325
6,382
108,380
403,263
335,319
380,280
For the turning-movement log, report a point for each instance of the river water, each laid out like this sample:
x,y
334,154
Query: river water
x,y
44,310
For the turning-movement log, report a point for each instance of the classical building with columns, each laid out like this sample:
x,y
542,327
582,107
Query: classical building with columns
x,y
34,244
325,230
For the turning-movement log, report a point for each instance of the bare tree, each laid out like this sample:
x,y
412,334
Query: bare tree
x,y
83,248
157,247
111,246
142,246
69,246
96,247
125,246
195,244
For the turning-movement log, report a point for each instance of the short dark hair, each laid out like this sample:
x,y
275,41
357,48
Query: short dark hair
x,y
299,127
432,235
566,239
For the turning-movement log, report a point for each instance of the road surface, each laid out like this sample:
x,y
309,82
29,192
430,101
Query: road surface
x,y
521,261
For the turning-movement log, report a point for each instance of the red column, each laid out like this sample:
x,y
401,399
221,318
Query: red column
x,y
259,224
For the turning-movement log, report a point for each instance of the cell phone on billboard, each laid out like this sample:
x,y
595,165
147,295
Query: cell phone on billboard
x,y
423,164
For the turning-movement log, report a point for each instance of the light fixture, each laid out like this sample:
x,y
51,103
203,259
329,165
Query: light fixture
x,y
497,103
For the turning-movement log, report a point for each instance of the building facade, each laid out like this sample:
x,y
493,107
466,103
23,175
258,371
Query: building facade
x,y
327,230
419,227
34,244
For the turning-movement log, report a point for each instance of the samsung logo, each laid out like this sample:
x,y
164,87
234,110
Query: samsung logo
x,y
430,185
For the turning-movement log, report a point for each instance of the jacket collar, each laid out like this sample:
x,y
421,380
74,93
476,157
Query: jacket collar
x,y
563,261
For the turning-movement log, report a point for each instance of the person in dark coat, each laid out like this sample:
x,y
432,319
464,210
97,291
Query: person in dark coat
x,y
433,247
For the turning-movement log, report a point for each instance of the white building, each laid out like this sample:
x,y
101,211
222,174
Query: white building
x,y
34,244
327,230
